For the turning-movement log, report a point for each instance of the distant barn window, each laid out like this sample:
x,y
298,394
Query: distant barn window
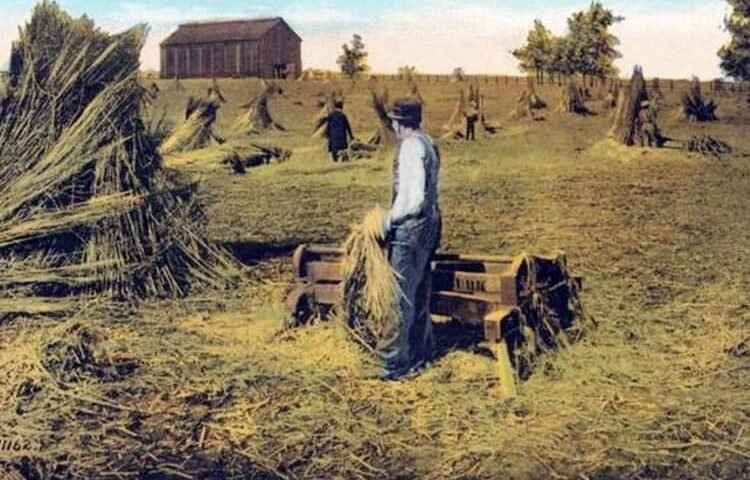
x,y
264,47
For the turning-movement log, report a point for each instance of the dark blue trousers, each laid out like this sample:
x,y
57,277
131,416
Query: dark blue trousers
x,y
410,249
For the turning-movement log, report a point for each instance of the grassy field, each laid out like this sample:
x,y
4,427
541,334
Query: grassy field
x,y
657,390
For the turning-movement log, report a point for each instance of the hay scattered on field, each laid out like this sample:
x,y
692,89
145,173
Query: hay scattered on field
x,y
707,145
370,288
263,155
85,203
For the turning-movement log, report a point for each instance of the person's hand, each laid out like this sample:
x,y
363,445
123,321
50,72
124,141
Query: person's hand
x,y
386,226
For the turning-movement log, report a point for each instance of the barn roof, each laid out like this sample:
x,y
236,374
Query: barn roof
x,y
223,30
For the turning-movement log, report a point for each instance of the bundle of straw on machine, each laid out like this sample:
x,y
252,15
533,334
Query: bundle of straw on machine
x,y
526,305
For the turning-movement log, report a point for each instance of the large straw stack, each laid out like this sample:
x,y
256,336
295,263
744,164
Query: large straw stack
x,y
626,128
574,99
455,125
529,103
84,202
257,116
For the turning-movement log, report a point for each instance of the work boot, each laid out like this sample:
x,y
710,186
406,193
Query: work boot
x,y
406,373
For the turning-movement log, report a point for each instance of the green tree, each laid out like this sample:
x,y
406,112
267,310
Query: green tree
x,y
536,54
561,58
353,59
735,55
592,45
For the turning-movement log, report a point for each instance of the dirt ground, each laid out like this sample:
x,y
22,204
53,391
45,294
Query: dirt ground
x,y
657,390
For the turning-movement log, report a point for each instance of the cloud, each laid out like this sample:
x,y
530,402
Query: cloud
x,y
676,43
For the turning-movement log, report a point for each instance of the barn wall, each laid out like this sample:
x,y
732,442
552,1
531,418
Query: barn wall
x,y
163,73
280,46
247,58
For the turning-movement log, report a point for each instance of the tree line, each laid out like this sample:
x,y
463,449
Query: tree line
x,y
588,48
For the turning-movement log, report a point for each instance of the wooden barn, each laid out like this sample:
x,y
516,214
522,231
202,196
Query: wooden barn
x,y
263,47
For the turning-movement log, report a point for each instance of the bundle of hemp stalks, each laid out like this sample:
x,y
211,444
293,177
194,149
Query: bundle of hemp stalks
x,y
85,205
196,131
370,295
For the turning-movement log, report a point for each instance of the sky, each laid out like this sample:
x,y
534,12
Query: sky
x,y
669,38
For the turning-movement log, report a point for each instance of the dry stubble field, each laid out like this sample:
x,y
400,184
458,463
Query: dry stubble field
x,y
657,390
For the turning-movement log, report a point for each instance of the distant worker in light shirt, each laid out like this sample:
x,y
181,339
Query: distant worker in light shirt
x,y
413,229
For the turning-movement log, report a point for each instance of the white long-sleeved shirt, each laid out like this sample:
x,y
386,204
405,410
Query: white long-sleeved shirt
x,y
411,180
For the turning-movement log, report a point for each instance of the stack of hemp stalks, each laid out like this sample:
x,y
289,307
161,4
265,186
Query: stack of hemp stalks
x,y
85,204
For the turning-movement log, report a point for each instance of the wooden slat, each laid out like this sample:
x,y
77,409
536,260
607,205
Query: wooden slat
x,y
466,307
325,271
319,250
470,308
326,293
463,282
466,281
471,266
447,256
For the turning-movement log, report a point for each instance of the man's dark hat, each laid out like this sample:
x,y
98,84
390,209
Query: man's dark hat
x,y
406,110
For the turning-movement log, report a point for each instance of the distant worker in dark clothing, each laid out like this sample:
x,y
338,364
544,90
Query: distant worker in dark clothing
x,y
338,131
472,116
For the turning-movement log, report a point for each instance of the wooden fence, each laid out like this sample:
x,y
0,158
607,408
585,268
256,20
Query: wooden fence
x,y
513,80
